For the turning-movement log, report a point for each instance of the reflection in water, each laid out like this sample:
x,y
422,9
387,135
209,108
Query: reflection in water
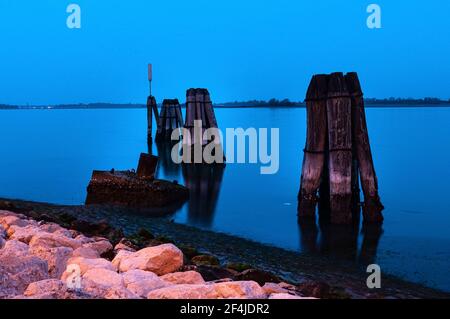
x,y
340,241
166,166
204,182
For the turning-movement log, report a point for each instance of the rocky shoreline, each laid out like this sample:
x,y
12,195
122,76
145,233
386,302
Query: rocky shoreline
x,y
217,258
43,260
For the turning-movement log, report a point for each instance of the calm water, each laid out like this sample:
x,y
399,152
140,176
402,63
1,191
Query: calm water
x,y
48,155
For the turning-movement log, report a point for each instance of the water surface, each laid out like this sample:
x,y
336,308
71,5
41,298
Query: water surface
x,y
49,155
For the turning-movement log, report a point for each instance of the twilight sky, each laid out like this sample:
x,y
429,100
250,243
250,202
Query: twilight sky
x,y
238,49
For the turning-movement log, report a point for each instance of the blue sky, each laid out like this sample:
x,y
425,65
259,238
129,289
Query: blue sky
x,y
239,49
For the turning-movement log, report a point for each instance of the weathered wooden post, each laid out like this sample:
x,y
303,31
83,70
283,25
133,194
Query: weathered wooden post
x,y
337,153
372,205
316,138
151,105
340,148
199,112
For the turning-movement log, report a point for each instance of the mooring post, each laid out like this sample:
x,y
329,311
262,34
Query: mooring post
x,y
372,204
169,119
314,152
340,149
151,102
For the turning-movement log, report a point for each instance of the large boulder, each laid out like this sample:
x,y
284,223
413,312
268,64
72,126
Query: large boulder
x,y
187,277
13,220
53,240
184,292
83,265
56,258
101,246
23,234
18,269
272,288
239,290
141,282
86,252
106,284
46,289
121,255
161,260
55,229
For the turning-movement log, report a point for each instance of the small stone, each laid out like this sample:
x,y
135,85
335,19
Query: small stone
x,y
205,260
46,289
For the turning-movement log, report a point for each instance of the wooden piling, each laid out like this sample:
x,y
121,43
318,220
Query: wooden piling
x,y
340,149
372,206
170,119
151,104
314,152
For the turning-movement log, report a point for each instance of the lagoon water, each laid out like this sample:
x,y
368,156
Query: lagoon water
x,y
49,155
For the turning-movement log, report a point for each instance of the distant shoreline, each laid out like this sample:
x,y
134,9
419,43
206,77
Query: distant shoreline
x,y
220,106
272,103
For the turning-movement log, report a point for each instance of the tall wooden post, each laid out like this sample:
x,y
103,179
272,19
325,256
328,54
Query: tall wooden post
x,y
372,204
151,105
314,152
340,149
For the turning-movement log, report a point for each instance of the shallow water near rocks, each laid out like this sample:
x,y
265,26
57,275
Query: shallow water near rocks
x,y
49,155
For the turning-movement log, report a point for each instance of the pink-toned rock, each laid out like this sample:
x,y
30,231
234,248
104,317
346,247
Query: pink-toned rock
x,y
17,247
2,232
52,240
121,255
101,246
46,289
187,277
122,246
161,260
12,220
55,229
141,282
56,258
83,239
272,288
18,269
105,284
85,252
85,264
286,296
184,292
23,234
2,242
239,290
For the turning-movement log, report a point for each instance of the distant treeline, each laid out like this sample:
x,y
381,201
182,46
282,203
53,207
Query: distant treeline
x,y
428,101
253,103
408,101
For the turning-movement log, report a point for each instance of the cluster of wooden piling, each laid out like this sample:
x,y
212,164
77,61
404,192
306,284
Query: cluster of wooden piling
x,y
337,151
170,119
199,110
